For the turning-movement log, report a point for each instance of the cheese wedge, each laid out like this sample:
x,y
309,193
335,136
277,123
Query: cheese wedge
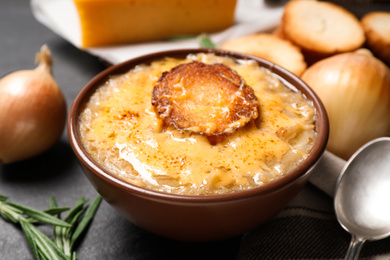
x,y
108,22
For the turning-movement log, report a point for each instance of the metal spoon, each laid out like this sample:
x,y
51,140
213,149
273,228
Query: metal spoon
x,y
362,195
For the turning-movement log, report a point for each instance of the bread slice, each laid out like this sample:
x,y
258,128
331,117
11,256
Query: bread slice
x,y
321,28
377,28
269,47
182,99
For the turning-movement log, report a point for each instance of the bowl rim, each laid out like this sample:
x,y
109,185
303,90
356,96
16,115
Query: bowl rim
x,y
322,128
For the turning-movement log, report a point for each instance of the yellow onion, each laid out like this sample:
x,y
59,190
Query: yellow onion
x,y
32,111
355,89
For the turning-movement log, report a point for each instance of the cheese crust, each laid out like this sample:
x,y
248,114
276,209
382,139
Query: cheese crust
x,y
123,132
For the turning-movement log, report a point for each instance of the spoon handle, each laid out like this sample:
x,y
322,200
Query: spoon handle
x,y
354,248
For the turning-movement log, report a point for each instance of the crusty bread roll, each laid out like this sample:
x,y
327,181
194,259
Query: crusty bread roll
x,y
321,29
269,47
377,28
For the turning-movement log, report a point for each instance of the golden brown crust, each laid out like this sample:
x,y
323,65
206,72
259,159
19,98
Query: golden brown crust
x,y
321,28
376,26
278,32
270,47
206,99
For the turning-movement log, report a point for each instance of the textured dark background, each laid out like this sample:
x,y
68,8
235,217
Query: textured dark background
x,y
57,172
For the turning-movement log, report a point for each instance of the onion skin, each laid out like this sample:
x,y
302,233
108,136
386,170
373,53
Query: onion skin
x,y
355,90
32,111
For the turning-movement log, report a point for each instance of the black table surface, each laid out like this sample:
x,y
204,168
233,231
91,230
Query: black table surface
x,y
56,172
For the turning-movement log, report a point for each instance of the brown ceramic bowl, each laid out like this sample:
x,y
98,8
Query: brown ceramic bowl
x,y
197,218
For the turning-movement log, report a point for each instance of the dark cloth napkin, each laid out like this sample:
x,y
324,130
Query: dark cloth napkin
x,y
307,228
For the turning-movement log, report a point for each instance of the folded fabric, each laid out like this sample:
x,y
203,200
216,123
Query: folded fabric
x,y
327,172
307,228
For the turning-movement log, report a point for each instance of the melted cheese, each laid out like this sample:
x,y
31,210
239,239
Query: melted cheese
x,y
122,131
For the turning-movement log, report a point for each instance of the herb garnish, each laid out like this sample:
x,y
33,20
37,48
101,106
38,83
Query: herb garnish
x,y
205,41
65,232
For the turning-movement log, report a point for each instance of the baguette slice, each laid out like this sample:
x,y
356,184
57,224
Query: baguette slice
x,y
377,28
269,47
210,99
321,28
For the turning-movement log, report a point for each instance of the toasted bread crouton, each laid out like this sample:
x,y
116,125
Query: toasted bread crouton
x,y
320,28
270,47
205,99
377,28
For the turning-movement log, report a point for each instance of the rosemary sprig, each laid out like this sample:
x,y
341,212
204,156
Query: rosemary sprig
x,y
40,216
65,232
204,41
181,37
15,212
66,237
87,218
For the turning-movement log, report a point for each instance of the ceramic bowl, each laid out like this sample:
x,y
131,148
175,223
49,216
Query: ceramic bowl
x,y
197,218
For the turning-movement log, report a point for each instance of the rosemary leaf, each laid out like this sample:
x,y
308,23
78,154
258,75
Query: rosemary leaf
x,y
41,246
7,206
77,208
51,211
89,214
58,236
66,234
42,256
30,239
9,212
52,203
40,215
73,222
57,230
204,41
56,211
72,219
6,217
67,248
181,37
48,248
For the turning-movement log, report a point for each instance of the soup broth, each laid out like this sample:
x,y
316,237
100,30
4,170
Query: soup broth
x,y
122,131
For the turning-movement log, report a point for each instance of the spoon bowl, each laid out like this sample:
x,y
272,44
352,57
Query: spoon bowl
x,y
361,199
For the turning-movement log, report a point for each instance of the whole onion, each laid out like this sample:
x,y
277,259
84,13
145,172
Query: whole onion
x,y
32,111
355,89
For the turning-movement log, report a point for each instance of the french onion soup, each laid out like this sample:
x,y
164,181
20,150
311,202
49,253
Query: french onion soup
x,y
202,125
